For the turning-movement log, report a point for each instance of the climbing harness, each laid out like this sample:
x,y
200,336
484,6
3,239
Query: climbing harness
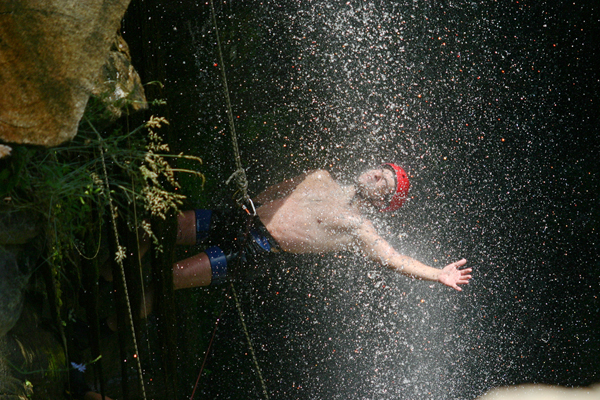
x,y
245,202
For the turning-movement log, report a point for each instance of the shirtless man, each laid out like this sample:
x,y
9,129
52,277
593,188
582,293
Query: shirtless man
x,y
312,213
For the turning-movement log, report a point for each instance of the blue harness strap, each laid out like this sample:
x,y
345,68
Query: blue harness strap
x,y
203,218
224,232
260,239
218,264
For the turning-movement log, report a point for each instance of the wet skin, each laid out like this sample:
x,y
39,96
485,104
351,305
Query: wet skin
x,y
312,213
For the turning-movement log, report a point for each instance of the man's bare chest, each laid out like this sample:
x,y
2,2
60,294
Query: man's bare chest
x,y
319,213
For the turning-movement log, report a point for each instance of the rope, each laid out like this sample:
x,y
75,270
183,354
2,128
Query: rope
x,y
239,175
119,259
242,188
212,338
239,310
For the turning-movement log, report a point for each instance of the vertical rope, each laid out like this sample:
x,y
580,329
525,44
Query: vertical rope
x,y
206,353
239,310
120,262
239,174
242,183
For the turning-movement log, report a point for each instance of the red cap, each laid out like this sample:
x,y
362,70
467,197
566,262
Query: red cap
x,y
401,189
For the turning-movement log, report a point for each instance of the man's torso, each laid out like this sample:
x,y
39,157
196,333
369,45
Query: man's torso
x,y
315,217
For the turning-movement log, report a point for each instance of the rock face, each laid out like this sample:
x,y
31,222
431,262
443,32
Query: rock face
x,y
118,85
51,52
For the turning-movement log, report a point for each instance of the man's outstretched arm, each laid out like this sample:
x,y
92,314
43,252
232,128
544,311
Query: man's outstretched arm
x,y
378,249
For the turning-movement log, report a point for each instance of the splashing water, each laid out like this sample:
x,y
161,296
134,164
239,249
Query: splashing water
x,y
492,109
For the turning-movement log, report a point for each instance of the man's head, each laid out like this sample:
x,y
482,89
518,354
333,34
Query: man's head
x,y
385,188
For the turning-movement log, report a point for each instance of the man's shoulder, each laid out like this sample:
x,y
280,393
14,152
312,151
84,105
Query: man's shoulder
x,y
321,180
319,174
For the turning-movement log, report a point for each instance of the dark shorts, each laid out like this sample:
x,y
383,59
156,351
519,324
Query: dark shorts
x,y
234,231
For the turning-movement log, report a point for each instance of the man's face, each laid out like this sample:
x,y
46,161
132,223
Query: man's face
x,y
377,186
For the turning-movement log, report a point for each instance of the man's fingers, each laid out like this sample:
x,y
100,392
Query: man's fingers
x,y
460,263
465,274
460,276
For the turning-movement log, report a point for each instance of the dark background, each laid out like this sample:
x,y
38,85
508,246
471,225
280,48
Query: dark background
x,y
493,108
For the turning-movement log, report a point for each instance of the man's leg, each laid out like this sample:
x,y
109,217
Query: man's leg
x,y
192,272
186,235
189,273
192,227
199,270
202,269
186,228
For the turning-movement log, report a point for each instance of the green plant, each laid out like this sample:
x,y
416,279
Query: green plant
x,y
74,187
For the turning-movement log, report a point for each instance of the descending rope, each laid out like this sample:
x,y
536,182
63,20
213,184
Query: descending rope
x,y
212,338
242,199
119,258
239,175
239,310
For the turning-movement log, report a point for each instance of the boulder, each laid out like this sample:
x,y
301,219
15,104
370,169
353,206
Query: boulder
x,y
5,151
51,52
32,359
542,392
118,85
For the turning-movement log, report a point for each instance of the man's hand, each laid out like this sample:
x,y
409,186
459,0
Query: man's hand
x,y
452,276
